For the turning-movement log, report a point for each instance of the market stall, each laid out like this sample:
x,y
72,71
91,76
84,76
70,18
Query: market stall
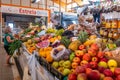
x,y
81,51
62,53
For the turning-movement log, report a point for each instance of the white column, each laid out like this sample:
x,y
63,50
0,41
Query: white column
x,y
0,25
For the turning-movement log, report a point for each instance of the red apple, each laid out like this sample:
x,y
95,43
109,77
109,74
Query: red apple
x,y
87,65
74,65
95,47
117,71
80,69
118,77
72,76
100,54
104,59
94,75
94,65
79,53
108,73
101,69
81,47
81,76
95,59
108,78
86,57
88,70
83,62
92,52
76,59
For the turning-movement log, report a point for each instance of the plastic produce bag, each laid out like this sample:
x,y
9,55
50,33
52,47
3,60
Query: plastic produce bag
x,y
60,53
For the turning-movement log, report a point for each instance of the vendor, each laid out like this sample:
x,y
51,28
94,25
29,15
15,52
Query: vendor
x,y
97,14
8,39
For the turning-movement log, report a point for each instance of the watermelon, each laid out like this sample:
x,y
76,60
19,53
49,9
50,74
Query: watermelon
x,y
43,44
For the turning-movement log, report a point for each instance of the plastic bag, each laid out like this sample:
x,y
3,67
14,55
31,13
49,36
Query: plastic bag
x,y
62,53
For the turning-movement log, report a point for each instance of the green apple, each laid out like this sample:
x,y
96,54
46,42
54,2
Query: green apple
x,y
61,63
55,64
67,64
66,72
72,55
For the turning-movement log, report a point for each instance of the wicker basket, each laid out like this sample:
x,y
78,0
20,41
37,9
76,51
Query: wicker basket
x,y
117,58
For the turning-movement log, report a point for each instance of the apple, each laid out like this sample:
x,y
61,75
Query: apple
x,y
102,76
82,76
102,64
87,65
112,63
86,57
94,75
72,55
66,72
79,53
88,70
108,73
67,64
83,62
108,78
72,70
76,59
101,69
55,64
79,69
95,47
104,59
92,52
74,65
61,63
117,71
60,69
94,65
100,54
95,59
81,47
72,76
118,77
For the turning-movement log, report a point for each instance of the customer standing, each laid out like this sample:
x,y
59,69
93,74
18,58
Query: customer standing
x,y
8,39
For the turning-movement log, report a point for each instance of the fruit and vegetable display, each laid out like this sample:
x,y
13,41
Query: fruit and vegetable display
x,y
83,58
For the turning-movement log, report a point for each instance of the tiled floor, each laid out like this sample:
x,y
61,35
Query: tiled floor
x,y
5,71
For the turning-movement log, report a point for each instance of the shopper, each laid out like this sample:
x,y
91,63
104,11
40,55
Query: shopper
x,y
8,39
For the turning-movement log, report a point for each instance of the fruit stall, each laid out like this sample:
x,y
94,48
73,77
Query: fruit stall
x,y
80,52
63,55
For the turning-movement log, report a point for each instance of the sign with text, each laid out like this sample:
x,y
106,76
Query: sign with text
x,y
24,11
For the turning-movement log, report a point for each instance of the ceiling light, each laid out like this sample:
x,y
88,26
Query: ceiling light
x,y
35,1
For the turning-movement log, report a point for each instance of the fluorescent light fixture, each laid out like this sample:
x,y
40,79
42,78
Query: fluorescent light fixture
x,y
35,1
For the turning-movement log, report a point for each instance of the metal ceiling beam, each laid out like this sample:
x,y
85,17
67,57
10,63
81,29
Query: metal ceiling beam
x,y
62,3
79,2
70,2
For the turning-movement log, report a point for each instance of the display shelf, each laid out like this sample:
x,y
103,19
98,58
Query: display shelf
x,y
49,68
44,64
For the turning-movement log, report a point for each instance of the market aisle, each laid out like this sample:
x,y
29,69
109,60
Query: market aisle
x,y
5,71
